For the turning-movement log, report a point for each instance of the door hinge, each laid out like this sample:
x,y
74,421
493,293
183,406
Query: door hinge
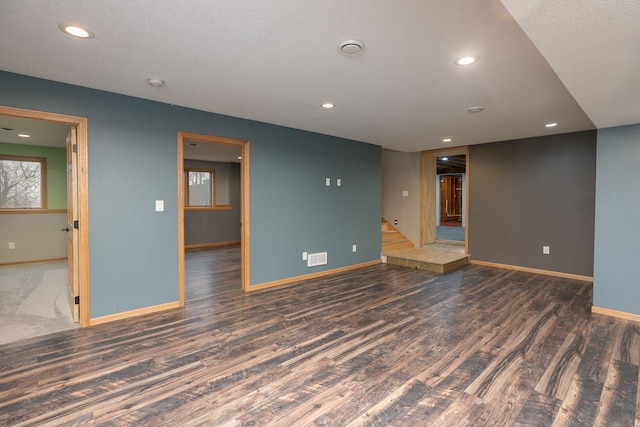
x,y
75,224
74,148
77,299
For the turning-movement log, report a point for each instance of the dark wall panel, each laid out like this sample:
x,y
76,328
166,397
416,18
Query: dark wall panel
x,y
530,193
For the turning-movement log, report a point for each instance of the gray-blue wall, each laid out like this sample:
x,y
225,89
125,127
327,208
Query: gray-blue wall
x,y
617,238
132,162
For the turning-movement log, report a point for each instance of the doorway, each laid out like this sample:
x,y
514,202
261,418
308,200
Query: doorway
x,y
213,198
444,197
76,195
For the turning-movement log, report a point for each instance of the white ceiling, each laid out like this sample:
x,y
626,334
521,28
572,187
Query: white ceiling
x,y
44,134
277,61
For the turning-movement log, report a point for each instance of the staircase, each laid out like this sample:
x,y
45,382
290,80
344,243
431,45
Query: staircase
x,y
392,239
435,258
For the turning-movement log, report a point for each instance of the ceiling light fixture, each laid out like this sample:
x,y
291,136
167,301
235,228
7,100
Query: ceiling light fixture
x,y
239,157
24,135
351,47
327,105
466,60
446,140
445,159
551,125
476,109
155,82
76,31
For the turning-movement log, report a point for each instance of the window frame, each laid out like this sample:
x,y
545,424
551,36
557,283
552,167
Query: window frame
x,y
43,181
211,207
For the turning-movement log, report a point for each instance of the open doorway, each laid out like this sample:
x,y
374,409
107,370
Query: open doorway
x,y
451,199
45,264
209,168
444,197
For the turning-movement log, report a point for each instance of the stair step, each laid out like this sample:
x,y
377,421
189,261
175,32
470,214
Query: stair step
x,y
434,261
388,236
396,244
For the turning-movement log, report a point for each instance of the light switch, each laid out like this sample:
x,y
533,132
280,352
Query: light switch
x,y
405,193
339,182
159,205
327,182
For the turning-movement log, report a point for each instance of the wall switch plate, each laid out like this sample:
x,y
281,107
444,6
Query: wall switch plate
x,y
405,193
159,205
12,245
545,250
354,248
304,256
327,182
339,182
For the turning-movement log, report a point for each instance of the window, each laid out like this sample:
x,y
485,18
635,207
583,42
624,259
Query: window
x,y
200,185
23,182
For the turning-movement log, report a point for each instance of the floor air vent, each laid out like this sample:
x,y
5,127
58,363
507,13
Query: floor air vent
x,y
317,259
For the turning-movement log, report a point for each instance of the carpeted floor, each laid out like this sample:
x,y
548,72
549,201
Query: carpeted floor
x,y
444,232
33,300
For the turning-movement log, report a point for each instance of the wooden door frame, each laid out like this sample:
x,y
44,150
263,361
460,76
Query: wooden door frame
x,y
244,204
82,264
428,171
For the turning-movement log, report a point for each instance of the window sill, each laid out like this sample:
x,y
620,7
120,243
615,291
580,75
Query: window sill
x,y
32,211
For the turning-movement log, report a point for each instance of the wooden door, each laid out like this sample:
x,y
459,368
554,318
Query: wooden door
x,y
72,230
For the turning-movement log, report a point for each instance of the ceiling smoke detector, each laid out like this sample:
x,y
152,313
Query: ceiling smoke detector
x,y
155,82
351,47
476,109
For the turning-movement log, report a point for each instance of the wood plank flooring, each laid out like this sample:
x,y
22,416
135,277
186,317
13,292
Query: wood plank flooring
x,y
382,345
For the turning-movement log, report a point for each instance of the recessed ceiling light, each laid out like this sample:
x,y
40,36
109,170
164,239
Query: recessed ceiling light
x,y
155,82
446,140
551,125
476,109
24,135
76,31
467,60
351,47
239,157
327,105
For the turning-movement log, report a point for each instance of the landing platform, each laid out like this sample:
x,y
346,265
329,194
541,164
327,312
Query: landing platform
x,y
435,258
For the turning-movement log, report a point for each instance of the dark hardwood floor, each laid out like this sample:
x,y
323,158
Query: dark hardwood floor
x,y
382,345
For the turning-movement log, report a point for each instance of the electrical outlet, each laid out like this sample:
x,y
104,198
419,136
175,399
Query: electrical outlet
x,y
545,250
354,248
327,182
339,182
12,245
304,256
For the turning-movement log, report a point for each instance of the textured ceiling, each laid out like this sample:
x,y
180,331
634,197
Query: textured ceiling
x,y
277,61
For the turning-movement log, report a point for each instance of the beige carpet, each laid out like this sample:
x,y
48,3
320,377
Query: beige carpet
x,y
33,301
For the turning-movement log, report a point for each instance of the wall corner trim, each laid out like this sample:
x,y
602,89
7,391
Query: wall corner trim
x,y
533,270
294,279
616,313
133,313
